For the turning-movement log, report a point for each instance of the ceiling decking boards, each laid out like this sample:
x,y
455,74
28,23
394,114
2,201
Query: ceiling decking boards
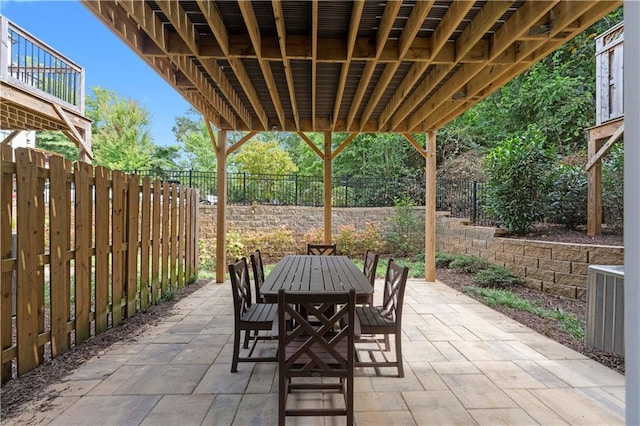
x,y
342,65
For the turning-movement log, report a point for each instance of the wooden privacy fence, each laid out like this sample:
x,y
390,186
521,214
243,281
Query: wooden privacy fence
x,y
82,249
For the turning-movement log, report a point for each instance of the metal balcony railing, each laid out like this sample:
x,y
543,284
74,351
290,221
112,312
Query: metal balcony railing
x,y
30,64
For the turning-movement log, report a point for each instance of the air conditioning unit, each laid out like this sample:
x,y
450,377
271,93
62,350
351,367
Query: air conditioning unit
x,y
605,308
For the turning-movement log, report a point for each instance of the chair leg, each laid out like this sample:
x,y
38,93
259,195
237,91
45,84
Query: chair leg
x,y
247,334
387,344
282,401
236,350
399,353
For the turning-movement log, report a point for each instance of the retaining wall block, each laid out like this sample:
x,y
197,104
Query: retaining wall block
x,y
537,251
496,245
528,261
603,255
473,251
559,290
515,269
505,257
579,268
571,280
555,265
513,246
539,274
532,283
581,293
481,244
576,253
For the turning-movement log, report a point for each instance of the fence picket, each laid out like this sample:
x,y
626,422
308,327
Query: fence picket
x,y
174,240
117,241
195,229
83,223
188,235
164,274
60,245
145,233
103,228
180,235
7,256
132,224
155,243
27,292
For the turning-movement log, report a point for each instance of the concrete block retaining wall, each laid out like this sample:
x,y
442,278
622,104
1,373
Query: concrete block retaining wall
x,y
555,268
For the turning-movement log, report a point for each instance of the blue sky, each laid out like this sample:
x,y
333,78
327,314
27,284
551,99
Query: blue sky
x,y
72,30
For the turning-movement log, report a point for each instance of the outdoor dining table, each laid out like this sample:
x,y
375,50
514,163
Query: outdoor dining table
x,y
316,274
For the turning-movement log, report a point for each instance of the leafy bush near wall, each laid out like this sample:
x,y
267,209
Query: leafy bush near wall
x,y
496,276
354,242
568,196
468,263
405,236
273,245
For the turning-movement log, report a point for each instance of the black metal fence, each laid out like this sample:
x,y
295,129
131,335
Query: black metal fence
x,y
461,198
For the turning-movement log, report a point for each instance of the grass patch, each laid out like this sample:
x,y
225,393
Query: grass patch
x,y
501,297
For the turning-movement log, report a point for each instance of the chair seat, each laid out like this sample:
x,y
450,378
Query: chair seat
x,y
372,317
259,313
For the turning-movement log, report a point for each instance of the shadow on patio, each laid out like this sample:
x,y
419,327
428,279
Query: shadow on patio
x,y
464,364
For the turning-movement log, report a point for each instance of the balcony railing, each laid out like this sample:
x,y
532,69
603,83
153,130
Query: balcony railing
x,y
32,65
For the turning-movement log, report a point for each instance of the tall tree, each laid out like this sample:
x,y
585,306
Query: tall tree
x,y
58,143
190,130
121,138
262,157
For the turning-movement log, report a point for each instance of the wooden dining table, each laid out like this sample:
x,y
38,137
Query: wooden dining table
x,y
316,274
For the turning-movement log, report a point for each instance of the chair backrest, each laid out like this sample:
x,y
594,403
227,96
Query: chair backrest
x,y
322,249
306,349
258,272
370,266
241,287
395,281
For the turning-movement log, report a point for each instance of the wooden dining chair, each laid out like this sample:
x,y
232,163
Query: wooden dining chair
x,y
248,317
385,320
369,269
322,249
307,352
258,274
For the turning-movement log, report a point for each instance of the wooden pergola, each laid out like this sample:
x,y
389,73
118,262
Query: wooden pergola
x,y
341,67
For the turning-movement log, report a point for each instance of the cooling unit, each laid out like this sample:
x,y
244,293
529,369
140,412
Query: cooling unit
x,y
605,308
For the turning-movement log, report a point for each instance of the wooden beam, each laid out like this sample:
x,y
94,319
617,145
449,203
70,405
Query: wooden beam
x,y
212,136
72,129
314,61
185,29
354,23
241,142
343,145
327,189
472,34
251,22
221,218
7,140
384,28
145,18
416,145
286,63
451,20
312,145
416,19
605,148
430,209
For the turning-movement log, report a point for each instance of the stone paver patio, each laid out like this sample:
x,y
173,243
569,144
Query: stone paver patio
x,y
464,364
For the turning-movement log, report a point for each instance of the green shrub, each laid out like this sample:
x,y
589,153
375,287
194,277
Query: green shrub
x,y
273,244
518,178
612,185
442,259
354,242
405,236
496,276
347,241
568,196
468,263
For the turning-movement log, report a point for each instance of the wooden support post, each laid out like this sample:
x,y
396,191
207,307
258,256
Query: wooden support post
x,y
327,188
221,225
594,198
430,209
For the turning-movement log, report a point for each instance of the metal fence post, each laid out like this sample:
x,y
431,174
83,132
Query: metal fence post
x,y
244,187
474,202
295,196
190,178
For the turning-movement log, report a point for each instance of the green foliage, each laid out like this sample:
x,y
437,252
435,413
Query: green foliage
x,y
443,259
613,185
258,157
568,196
502,297
354,242
58,143
518,178
496,276
190,130
121,138
314,236
273,244
468,263
405,235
